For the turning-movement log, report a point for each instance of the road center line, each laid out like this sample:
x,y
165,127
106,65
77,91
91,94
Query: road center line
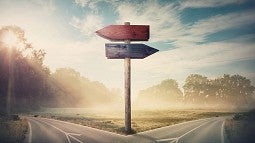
x,y
30,132
222,132
68,135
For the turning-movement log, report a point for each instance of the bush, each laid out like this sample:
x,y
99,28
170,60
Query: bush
x,y
245,116
13,131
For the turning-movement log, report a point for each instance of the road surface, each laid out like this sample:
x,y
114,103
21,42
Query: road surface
x,y
42,130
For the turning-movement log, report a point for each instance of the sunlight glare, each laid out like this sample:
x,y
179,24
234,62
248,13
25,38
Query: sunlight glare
x,y
10,39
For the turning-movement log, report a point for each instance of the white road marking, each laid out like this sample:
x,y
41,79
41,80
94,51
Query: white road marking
x,y
173,125
170,140
222,132
190,131
30,133
107,132
68,135
177,138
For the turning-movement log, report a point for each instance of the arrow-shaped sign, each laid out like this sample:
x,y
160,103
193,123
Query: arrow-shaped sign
x,y
127,52
125,32
133,51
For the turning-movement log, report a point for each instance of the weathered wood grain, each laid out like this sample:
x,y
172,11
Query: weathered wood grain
x,y
125,32
133,51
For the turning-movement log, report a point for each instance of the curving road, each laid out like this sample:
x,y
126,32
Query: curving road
x,y
209,130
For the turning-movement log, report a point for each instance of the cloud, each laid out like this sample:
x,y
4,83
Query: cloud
x,y
188,57
87,57
166,26
47,5
82,3
202,28
181,62
93,4
200,56
164,20
88,25
208,3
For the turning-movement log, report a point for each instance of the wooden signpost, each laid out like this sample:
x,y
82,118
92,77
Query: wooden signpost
x,y
127,51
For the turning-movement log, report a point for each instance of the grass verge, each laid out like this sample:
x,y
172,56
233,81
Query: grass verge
x,y
142,120
241,128
12,130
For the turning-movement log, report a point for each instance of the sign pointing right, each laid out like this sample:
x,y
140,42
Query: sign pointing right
x,y
132,51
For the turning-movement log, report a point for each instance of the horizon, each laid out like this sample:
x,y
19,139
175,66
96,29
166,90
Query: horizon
x,y
209,37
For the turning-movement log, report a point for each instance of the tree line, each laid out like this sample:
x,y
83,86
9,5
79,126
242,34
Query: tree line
x,y
27,84
227,91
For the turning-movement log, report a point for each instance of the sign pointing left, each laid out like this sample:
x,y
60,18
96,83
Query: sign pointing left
x,y
125,32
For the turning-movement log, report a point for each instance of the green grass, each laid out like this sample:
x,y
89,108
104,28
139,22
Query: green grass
x,y
12,131
142,120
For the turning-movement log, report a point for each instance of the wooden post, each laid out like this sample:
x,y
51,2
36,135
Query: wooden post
x,y
127,72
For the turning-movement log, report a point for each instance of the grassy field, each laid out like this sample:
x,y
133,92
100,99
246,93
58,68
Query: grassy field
x,y
241,129
12,130
142,120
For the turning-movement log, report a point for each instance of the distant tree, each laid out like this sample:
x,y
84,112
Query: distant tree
x,y
166,93
236,90
196,89
79,91
225,91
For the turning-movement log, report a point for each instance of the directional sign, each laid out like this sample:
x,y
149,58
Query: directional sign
x,y
125,32
127,52
133,51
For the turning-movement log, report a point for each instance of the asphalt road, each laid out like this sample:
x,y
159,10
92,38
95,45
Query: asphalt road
x,y
209,130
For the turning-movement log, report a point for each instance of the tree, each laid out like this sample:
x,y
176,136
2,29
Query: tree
x,y
196,89
166,93
236,89
77,90
226,91
26,83
22,71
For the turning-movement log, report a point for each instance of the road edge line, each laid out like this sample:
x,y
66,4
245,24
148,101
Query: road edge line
x,y
30,132
222,132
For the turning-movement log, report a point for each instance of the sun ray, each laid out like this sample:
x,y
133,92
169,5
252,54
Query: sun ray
x,y
10,39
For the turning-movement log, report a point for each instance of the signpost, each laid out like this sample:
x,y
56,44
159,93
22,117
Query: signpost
x,y
127,51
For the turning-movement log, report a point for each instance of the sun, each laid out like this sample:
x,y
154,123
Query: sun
x,y
10,39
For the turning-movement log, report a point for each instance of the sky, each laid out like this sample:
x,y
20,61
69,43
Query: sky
x,y
207,37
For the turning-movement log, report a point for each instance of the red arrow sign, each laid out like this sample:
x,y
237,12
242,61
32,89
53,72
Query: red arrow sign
x,y
125,32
